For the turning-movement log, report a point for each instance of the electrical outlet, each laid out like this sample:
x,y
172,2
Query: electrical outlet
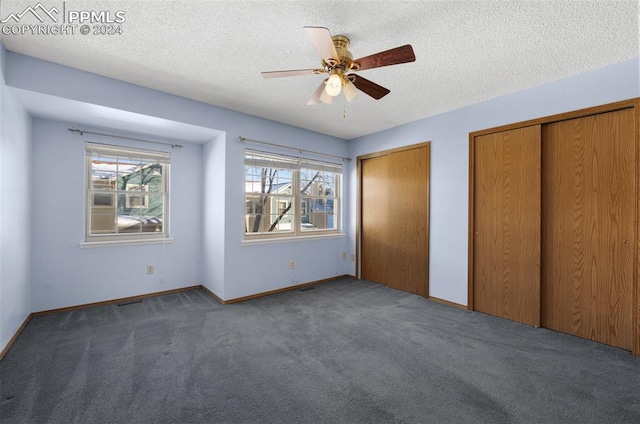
x,y
149,269
344,255
292,264
353,257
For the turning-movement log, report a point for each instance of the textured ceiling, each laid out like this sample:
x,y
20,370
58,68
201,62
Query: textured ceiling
x,y
466,51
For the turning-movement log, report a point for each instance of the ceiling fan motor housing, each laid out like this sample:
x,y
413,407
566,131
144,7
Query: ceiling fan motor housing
x,y
341,43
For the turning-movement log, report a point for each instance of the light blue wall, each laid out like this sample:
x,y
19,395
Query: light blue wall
x,y
449,137
214,215
228,269
65,274
15,211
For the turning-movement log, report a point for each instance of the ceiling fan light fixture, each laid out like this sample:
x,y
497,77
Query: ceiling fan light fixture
x,y
334,85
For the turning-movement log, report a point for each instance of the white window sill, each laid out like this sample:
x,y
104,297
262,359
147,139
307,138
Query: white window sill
x,y
137,242
271,240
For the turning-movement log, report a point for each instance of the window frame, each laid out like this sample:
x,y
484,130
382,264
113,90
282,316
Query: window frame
x,y
93,149
295,164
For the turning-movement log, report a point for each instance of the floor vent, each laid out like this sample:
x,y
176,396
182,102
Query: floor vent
x,y
129,303
306,289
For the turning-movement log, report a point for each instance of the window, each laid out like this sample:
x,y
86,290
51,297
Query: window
x,y
287,196
127,193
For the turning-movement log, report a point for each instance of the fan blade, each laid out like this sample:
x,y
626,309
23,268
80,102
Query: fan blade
x,y
395,56
325,98
350,91
293,73
321,39
370,88
316,95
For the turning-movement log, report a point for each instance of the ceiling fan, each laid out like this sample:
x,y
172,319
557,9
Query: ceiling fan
x,y
337,61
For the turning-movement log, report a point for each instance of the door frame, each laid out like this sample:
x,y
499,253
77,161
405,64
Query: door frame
x,y
610,107
359,159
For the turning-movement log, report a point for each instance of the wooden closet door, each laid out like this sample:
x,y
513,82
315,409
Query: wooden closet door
x,y
588,199
395,219
408,220
375,242
506,224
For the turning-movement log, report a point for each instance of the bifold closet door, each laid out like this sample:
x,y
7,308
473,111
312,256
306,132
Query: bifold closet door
x,y
588,197
409,220
506,224
395,219
375,242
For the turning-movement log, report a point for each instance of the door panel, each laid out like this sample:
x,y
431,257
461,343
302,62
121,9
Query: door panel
x,y
395,219
408,221
506,259
588,197
375,241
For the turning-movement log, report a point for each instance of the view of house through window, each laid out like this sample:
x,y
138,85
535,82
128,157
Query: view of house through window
x,y
126,193
289,196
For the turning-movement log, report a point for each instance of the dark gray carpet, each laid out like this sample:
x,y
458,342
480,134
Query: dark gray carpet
x,y
345,352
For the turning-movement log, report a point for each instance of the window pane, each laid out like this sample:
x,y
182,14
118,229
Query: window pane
x,y
268,201
268,214
102,199
319,197
153,207
137,196
317,183
151,176
103,173
267,180
103,183
103,180
254,204
128,172
281,217
128,218
318,214
140,213
103,221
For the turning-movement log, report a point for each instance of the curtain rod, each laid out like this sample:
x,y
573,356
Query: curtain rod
x,y
82,132
243,139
